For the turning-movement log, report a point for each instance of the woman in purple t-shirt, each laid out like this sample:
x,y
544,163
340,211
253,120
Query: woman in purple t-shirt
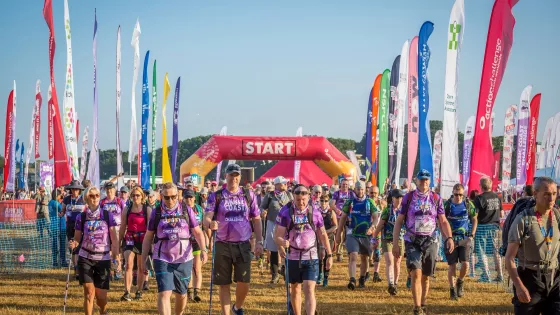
x,y
295,232
98,243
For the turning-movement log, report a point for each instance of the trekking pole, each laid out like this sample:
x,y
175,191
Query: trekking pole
x,y
67,282
288,306
212,274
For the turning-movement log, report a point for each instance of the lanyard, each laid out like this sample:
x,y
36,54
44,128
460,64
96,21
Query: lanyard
x,y
547,234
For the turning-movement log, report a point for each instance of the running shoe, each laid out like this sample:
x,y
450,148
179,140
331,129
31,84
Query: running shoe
x,y
459,287
376,277
352,284
453,294
320,278
126,297
408,282
138,295
236,312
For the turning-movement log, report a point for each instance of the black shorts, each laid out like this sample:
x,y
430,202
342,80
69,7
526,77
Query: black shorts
x,y
232,258
94,271
136,248
460,253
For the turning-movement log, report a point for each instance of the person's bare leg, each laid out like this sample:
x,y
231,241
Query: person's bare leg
x,y
198,273
295,298
425,289
140,274
451,273
180,303
352,260
101,297
225,298
129,258
240,294
389,270
464,269
364,266
164,302
416,286
309,291
397,267
89,298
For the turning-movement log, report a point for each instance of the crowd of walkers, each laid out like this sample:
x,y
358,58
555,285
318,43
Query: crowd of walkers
x,y
298,231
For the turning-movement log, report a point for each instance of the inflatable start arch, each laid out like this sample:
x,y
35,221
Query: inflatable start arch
x,y
218,148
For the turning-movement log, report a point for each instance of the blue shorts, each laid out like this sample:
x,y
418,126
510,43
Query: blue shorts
x,y
173,277
308,270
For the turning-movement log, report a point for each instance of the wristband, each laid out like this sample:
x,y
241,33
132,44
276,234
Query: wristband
x,y
329,255
447,239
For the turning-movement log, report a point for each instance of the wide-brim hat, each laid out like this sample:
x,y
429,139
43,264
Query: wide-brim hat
x,y
75,185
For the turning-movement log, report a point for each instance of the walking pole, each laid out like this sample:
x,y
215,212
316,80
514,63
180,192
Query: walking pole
x,y
212,273
67,282
286,273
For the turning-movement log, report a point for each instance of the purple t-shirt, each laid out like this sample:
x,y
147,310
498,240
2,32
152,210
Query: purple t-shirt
x,y
421,214
178,249
303,239
74,206
234,215
115,206
96,240
340,198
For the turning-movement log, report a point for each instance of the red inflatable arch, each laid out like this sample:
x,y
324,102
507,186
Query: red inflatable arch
x,y
218,148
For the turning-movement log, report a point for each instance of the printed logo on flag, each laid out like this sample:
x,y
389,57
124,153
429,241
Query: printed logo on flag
x,y
454,30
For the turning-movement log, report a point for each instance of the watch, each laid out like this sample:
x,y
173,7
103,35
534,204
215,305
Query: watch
x,y
329,255
260,242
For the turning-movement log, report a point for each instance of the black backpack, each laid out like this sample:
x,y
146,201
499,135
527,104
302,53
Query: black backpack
x,y
83,221
521,205
219,196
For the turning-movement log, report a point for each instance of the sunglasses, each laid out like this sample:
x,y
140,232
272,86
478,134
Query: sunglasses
x,y
93,196
301,192
170,197
324,201
136,195
458,195
318,193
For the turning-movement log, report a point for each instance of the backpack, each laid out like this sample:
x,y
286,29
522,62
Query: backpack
x,y
447,206
219,196
83,222
409,195
290,206
518,207
157,219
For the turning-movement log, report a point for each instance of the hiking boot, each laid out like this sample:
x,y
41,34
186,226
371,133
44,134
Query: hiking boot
x,y
395,289
138,295
275,279
459,287
417,311
376,277
424,309
362,282
118,276
126,297
392,289
236,312
352,284
338,258
145,287
196,298
189,294
408,282
453,294
367,276
320,278
325,282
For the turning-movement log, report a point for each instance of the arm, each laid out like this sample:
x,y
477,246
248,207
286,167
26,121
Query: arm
x,y
124,224
324,238
208,219
445,228
474,222
397,230
115,250
521,291
257,225
201,240
334,220
282,243
147,245
63,211
378,228
340,228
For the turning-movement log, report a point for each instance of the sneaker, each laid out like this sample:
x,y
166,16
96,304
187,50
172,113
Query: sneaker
x,y
459,287
424,309
320,278
395,289
362,282
484,279
196,298
189,294
126,297
236,312
417,311
499,279
367,276
145,287
453,294
138,295
275,279
118,276
325,282
376,277
392,289
408,283
352,284
338,258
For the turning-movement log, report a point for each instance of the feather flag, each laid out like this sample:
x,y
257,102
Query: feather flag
x,y
369,142
532,139
9,143
166,168
175,144
154,126
84,154
548,129
50,124
297,164
523,137
93,166
37,122
402,91
133,143
424,142
120,169
412,107
552,147
30,144
450,153
69,118
509,133
393,102
467,150
384,130
374,132
437,156
223,132
145,163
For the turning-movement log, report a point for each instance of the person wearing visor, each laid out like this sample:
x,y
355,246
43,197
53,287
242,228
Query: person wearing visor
x,y
420,211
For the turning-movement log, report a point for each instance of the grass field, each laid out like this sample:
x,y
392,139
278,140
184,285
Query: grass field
x,y
42,292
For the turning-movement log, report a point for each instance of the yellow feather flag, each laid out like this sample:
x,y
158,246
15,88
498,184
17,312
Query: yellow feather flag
x,y
166,168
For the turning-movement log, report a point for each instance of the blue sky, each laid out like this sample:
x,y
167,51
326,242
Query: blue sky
x,y
266,67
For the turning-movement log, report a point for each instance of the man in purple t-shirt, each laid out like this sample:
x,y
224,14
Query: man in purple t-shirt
x,y
338,199
229,213
172,250
420,210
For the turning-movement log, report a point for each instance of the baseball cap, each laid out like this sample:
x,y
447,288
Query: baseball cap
x,y
423,174
109,185
363,177
188,193
233,168
204,191
280,180
360,185
124,189
150,192
397,193
317,188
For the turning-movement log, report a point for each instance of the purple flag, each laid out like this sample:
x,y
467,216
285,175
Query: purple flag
x,y
175,144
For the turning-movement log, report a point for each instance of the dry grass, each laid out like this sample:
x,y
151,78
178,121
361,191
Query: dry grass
x,y
43,293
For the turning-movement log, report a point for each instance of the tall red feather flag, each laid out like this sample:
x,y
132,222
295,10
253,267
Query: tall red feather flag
x,y
532,145
9,141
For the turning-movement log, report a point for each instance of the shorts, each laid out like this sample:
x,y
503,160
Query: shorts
x,y
173,277
359,245
232,258
422,255
387,246
304,270
94,271
269,237
461,252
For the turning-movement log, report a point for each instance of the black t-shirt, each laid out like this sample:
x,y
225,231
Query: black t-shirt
x,y
488,207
